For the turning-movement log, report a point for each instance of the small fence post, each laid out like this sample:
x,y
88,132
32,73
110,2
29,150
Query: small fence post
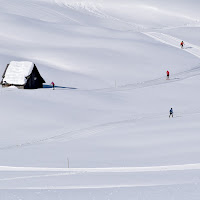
x,y
68,162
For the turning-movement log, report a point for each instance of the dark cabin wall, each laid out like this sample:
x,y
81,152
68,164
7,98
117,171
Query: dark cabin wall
x,y
34,80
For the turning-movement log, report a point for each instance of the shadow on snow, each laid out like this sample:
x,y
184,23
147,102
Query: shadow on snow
x,y
59,87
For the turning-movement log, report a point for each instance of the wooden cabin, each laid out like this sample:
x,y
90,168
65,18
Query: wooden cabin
x,y
23,74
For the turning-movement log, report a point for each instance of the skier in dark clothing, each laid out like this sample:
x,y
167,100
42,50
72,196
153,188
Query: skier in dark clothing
x,y
171,112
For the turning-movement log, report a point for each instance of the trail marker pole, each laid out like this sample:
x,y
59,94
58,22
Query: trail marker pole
x,y
68,162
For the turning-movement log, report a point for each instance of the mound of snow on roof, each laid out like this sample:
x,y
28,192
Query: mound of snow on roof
x,y
17,72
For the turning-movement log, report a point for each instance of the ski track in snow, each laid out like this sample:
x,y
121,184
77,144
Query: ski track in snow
x,y
175,42
85,7
87,171
81,133
154,82
182,167
29,8
39,176
95,9
171,41
92,130
92,186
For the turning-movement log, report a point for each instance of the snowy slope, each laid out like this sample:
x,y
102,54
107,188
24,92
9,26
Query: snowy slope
x,y
107,119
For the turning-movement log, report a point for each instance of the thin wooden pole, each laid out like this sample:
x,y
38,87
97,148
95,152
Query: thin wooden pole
x,y
68,162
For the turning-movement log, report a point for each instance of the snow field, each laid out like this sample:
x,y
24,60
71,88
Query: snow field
x,y
108,115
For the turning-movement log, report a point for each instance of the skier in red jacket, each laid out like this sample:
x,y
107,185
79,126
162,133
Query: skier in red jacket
x,y
182,43
53,84
167,74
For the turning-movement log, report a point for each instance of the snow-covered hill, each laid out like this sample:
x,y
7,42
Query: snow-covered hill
x,y
104,132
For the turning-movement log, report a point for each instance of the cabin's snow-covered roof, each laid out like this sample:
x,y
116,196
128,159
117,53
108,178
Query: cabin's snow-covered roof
x,y
17,72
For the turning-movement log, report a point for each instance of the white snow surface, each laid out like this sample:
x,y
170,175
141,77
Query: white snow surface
x,y
17,72
104,133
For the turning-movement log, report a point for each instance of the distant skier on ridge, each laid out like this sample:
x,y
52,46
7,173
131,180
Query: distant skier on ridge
x,y
171,112
182,43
